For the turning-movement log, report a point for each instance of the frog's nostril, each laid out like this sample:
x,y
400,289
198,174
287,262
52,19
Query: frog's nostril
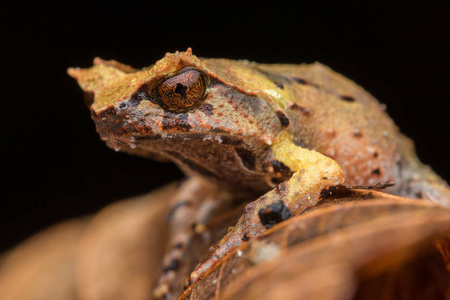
x,y
122,105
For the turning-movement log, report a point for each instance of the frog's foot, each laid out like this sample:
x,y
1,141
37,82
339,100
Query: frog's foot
x,y
192,206
314,173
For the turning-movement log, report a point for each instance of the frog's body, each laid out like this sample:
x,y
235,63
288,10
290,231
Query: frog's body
x,y
254,126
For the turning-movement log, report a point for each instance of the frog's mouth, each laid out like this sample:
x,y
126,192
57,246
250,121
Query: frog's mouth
x,y
225,139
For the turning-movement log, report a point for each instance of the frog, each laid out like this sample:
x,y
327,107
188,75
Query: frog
x,y
283,135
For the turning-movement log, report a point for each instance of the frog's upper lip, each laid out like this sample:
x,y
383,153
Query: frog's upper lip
x,y
226,139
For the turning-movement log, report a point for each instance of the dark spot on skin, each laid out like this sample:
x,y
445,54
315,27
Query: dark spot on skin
x,y
324,178
179,122
357,133
280,168
279,85
247,158
245,238
206,108
284,120
304,110
375,154
173,265
299,80
376,171
419,195
347,98
274,214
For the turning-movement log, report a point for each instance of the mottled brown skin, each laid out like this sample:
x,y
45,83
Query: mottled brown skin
x,y
253,127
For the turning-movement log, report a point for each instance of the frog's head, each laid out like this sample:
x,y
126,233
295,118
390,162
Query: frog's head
x,y
214,117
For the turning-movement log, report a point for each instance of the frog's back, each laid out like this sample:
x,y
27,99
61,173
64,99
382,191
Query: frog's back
x,y
333,115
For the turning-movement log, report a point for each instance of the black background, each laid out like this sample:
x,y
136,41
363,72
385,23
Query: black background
x,y
57,168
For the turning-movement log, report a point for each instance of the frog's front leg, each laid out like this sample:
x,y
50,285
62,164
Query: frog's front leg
x,y
313,173
192,206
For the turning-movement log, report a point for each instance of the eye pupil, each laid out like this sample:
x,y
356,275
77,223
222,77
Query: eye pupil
x,y
181,89
181,92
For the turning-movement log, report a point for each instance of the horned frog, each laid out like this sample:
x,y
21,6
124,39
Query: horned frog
x,y
283,133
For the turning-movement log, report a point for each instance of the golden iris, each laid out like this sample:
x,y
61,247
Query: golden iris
x,y
181,92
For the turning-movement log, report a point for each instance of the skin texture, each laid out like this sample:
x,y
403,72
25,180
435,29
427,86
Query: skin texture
x,y
275,132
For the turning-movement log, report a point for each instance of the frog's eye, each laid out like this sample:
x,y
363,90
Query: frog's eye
x,y
181,92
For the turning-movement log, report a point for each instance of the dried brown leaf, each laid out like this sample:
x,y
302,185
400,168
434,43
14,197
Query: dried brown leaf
x,y
347,246
353,245
43,266
119,256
